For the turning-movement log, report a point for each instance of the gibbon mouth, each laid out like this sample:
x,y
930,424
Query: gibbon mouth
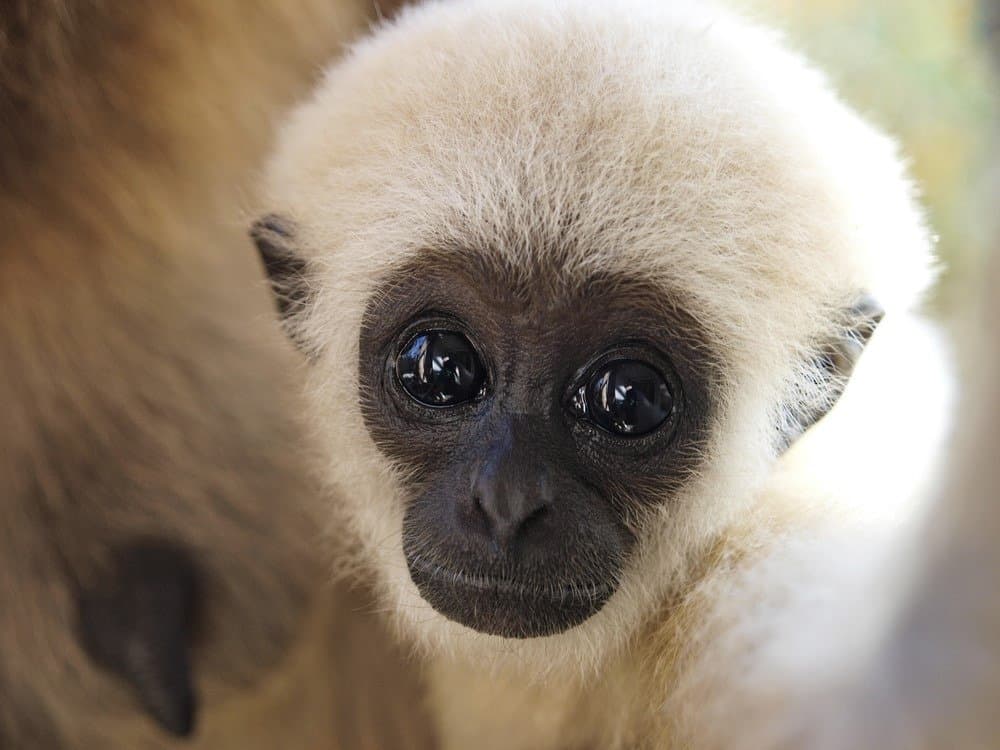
x,y
505,606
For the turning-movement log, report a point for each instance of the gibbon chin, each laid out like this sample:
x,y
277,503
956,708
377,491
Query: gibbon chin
x,y
580,284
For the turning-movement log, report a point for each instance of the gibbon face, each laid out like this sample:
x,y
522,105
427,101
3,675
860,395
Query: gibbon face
x,y
532,425
571,277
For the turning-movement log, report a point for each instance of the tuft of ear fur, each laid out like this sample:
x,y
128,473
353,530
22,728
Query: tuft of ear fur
x,y
286,271
861,321
138,622
832,368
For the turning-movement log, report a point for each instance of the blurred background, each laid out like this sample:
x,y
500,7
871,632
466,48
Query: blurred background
x,y
920,69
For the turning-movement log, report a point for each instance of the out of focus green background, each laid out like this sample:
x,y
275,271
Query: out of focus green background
x,y
919,69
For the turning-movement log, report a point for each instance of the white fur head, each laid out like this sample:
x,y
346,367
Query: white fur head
x,y
673,141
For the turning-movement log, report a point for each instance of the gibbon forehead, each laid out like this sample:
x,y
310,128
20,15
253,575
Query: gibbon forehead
x,y
535,417
572,292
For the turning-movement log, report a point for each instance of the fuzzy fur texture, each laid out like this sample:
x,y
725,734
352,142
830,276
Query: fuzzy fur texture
x,y
676,138
147,391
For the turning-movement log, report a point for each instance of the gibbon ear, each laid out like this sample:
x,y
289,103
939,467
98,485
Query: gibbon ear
x,y
834,366
138,622
390,8
286,271
861,320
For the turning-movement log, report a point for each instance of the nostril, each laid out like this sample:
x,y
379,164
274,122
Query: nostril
x,y
533,517
482,516
509,530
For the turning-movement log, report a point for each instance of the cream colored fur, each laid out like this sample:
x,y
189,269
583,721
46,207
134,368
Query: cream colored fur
x,y
682,140
147,390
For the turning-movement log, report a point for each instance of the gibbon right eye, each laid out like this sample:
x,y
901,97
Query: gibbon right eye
x,y
625,397
440,369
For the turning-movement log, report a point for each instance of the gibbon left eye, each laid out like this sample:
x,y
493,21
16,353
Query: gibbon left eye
x,y
440,368
625,397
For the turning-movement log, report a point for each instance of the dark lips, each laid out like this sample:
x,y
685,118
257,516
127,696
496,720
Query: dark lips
x,y
506,607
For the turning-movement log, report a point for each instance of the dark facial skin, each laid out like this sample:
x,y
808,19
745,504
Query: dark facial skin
x,y
517,507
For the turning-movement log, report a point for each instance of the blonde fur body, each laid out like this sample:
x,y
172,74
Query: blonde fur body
x,y
685,141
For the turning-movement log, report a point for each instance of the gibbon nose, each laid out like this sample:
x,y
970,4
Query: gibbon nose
x,y
510,492
508,511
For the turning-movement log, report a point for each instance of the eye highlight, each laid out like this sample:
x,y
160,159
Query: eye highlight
x,y
440,368
626,397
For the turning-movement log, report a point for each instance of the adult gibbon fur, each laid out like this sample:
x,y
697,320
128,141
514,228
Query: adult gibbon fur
x,y
579,311
160,570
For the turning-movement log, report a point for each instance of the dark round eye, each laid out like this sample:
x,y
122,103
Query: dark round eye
x,y
625,397
440,368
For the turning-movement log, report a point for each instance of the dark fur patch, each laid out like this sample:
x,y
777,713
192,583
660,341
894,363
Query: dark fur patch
x,y
138,622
